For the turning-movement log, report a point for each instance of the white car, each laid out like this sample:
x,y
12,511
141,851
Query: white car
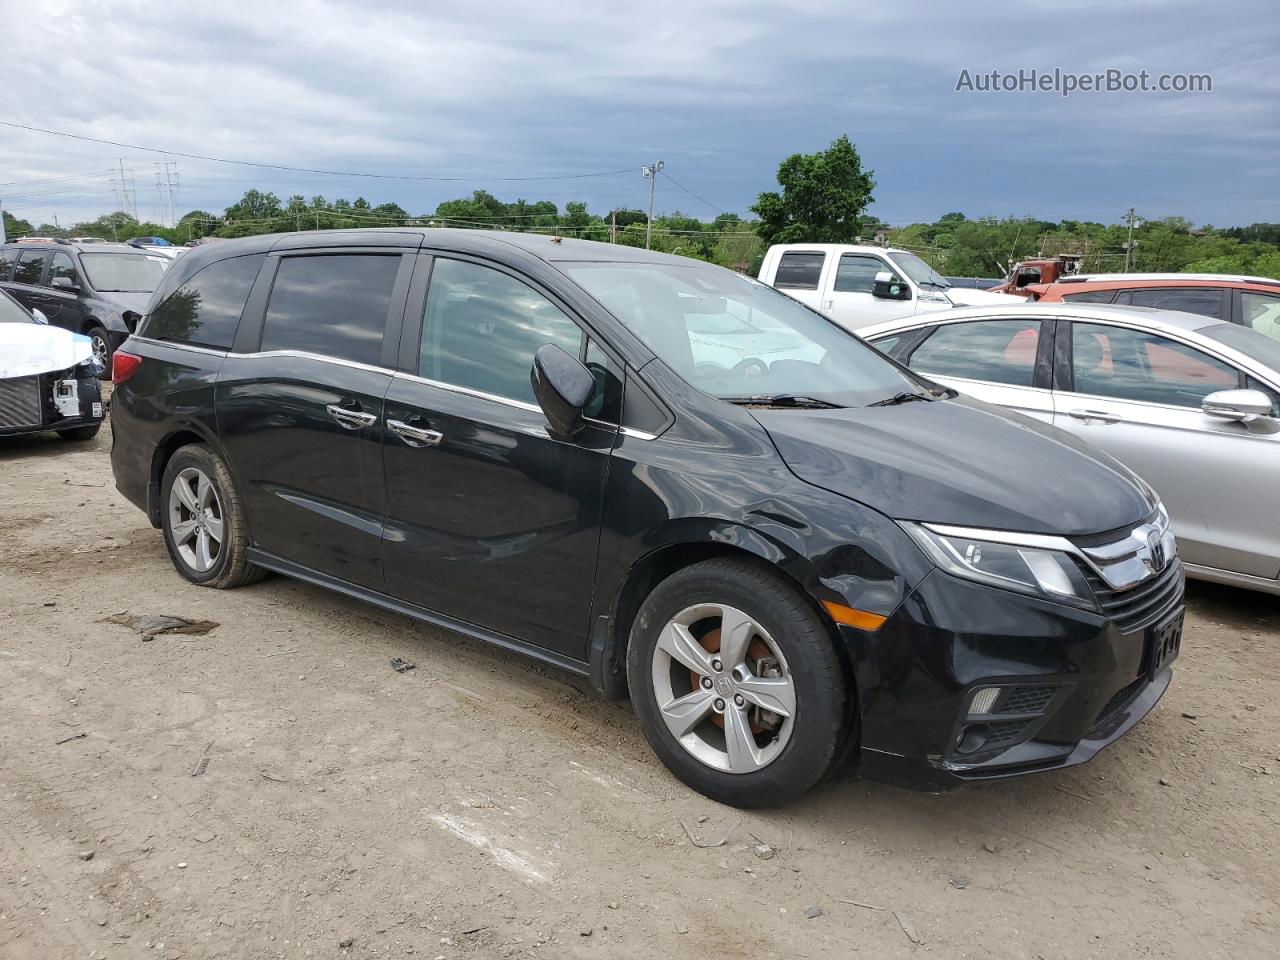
x,y
858,285
1191,403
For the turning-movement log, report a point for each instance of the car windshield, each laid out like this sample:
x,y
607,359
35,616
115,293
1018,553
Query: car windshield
x,y
10,312
1251,343
919,271
737,339
123,272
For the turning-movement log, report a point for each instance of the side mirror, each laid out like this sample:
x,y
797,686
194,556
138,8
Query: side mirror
x,y
1242,405
63,283
39,317
889,287
562,387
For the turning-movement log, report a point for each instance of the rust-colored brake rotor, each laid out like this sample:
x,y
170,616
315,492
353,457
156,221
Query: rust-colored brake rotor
x,y
711,643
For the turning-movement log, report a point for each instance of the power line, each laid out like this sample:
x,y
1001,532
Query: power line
x,y
332,173
81,176
691,193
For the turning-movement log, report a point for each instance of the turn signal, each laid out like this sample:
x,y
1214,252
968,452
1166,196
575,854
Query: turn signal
x,y
123,366
850,617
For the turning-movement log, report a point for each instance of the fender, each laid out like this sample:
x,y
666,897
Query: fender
x,y
180,434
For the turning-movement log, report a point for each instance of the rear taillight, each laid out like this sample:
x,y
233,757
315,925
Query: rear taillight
x,y
123,366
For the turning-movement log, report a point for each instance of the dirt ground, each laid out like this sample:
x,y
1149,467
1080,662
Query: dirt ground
x,y
481,806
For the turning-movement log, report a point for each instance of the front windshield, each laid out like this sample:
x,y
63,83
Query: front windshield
x,y
10,312
735,338
919,271
123,272
1254,345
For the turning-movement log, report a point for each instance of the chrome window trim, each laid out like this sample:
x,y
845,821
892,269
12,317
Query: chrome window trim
x,y
468,392
173,344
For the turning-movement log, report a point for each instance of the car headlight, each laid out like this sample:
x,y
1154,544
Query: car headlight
x,y
975,555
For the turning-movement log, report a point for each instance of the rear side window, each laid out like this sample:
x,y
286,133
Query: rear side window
x,y
333,305
1206,301
205,310
998,351
799,271
857,273
482,328
30,266
1133,365
1090,296
6,264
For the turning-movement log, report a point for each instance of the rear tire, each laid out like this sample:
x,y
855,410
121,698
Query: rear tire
x,y
683,650
204,522
80,434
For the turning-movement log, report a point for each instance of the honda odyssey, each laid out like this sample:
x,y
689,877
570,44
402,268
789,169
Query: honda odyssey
x,y
791,552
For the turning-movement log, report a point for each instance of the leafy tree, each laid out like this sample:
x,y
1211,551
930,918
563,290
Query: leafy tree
x,y
822,200
254,205
14,227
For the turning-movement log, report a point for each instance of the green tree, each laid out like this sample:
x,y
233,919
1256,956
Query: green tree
x,y
14,227
822,200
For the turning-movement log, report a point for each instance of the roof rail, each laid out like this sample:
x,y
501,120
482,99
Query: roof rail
x,y
1200,277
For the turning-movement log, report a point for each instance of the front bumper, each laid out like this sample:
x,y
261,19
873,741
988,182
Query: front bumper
x,y
28,404
1071,683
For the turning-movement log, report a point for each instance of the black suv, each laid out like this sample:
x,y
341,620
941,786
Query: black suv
x,y
100,290
786,548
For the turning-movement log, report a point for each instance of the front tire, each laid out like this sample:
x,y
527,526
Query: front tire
x,y
737,683
204,522
102,351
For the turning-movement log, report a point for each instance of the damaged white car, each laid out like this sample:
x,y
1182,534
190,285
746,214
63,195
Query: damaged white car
x,y
48,377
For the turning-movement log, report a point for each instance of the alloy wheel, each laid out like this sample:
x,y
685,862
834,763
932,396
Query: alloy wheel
x,y
100,351
196,521
723,688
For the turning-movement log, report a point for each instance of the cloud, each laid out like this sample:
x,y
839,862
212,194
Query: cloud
x,y
721,91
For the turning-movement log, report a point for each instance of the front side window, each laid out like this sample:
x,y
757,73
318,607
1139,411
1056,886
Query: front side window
x,y
734,338
1206,301
998,351
1134,365
123,272
61,266
30,266
857,273
205,310
334,305
799,271
482,327
1261,311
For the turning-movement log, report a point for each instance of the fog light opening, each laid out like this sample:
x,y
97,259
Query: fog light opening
x,y
983,700
972,738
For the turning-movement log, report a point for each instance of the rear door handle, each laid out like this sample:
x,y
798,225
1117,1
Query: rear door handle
x,y
415,436
350,419
1101,415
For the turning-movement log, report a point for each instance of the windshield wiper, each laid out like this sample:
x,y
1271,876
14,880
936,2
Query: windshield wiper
x,y
936,284
783,400
897,398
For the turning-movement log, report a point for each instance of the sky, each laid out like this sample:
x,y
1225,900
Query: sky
x,y
586,92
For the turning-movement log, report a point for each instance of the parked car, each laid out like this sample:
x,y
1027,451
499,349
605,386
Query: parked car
x,y
856,286
48,377
99,290
166,249
546,443
84,240
1188,402
1039,270
1249,301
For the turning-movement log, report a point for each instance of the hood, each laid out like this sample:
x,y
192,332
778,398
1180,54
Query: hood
x,y
966,297
126,300
30,348
961,462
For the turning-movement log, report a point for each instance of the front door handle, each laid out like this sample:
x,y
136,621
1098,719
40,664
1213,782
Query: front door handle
x,y
1101,415
350,419
415,436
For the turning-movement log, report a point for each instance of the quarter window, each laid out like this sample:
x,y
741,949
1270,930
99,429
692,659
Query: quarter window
x,y
857,273
482,327
1206,301
999,351
61,266
333,305
30,266
206,309
799,271
1090,296
1261,311
1132,365
606,400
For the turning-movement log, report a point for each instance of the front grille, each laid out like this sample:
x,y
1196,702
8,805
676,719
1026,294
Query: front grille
x,y
20,402
1024,699
1142,605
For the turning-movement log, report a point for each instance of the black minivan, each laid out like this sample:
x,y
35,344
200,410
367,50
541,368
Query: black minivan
x,y
793,554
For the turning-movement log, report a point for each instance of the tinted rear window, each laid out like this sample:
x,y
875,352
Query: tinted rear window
x,y
1090,296
333,305
205,310
1206,301
30,266
799,271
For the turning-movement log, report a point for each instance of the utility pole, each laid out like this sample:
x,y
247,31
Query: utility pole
x,y
2,236
613,227
650,171
1132,220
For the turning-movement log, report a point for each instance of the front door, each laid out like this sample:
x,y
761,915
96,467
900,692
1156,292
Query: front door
x,y
1137,396
301,417
848,299
489,519
61,304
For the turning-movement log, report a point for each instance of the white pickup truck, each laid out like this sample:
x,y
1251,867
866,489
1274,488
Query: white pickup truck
x,y
857,286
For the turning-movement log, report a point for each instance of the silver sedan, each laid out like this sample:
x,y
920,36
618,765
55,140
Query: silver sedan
x,y
1190,403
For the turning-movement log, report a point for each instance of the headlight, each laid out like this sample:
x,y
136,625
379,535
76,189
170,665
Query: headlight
x,y
1047,573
